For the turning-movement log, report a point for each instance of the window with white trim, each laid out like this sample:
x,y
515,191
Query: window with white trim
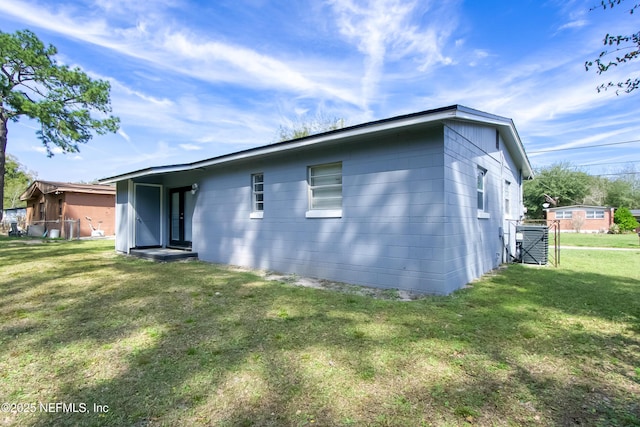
x,y
481,174
325,187
594,214
564,214
257,190
507,197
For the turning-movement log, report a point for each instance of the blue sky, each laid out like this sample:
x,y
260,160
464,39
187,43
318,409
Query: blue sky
x,y
196,79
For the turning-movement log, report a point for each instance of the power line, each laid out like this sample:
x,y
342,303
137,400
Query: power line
x,y
619,173
607,163
552,178
550,150
596,165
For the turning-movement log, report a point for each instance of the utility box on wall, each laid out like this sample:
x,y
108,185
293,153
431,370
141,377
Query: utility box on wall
x,y
533,244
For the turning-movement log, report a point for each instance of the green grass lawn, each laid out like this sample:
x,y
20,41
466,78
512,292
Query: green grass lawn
x,y
629,240
182,344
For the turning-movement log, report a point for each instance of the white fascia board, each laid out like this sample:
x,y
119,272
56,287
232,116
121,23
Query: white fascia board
x,y
507,125
144,172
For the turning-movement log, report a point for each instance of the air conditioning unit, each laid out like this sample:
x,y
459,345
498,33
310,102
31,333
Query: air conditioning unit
x,y
532,242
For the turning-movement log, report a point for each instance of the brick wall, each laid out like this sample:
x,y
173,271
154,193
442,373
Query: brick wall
x,y
99,207
579,221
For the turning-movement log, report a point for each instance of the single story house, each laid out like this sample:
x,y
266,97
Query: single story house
x,y
422,202
582,218
75,210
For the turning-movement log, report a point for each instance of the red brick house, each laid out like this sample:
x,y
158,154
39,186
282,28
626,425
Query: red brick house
x,y
66,207
581,218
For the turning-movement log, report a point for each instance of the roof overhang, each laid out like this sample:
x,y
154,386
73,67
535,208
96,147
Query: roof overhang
x,y
559,208
48,187
454,112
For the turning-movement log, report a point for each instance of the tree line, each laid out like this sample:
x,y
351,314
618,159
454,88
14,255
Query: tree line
x,y
16,180
562,184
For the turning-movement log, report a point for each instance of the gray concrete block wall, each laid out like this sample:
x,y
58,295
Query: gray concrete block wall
x,y
409,210
474,245
390,233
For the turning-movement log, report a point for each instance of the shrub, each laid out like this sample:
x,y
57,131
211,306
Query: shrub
x,y
625,220
614,229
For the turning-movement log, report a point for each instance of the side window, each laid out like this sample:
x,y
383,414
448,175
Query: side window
x,y
257,195
325,189
507,197
481,175
593,214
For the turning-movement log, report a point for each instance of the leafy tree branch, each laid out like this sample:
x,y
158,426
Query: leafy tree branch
x,y
69,105
628,43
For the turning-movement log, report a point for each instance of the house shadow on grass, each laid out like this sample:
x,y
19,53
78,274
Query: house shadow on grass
x,y
196,344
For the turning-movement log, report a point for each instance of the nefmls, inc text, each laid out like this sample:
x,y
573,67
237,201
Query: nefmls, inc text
x,y
54,407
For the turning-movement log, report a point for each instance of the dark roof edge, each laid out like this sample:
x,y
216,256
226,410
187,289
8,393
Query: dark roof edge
x,y
47,187
451,111
579,206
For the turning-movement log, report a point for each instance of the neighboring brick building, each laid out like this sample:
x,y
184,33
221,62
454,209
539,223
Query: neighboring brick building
x,y
53,205
581,218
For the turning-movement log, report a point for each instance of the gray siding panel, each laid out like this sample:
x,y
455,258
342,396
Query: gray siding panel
x,y
474,244
389,233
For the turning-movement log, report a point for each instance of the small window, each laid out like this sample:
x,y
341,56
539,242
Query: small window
x,y
564,215
325,187
594,214
481,176
257,181
507,197
257,195
60,207
41,211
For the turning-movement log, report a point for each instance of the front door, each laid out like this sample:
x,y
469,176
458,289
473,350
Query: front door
x,y
148,205
181,209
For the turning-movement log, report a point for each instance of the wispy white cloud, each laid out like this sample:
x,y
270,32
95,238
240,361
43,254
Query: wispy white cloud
x,y
477,56
236,57
190,147
183,52
578,23
388,30
123,134
42,149
128,6
227,85
36,15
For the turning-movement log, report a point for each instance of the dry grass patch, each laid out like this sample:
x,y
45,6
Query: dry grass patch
x,y
198,344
